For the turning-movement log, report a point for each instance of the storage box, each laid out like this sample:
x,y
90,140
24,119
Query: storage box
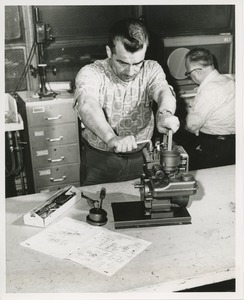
x,y
57,204
13,120
11,112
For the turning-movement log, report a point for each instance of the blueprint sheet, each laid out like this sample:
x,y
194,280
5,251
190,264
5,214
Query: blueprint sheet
x,y
97,248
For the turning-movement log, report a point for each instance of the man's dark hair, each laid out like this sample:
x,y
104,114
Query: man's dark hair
x,y
200,55
131,32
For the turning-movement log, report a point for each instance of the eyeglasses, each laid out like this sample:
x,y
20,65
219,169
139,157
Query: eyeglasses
x,y
189,73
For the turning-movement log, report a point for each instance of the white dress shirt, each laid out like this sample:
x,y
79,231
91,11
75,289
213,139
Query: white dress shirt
x,y
213,108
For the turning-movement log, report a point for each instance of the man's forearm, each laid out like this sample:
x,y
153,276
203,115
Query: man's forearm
x,y
166,101
93,118
165,118
193,123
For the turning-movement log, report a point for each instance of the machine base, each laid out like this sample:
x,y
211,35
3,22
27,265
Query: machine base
x,y
131,214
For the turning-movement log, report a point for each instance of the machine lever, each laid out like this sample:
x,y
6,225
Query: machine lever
x,y
170,137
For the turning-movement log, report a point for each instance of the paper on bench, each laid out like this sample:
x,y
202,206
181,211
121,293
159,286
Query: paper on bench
x,y
97,248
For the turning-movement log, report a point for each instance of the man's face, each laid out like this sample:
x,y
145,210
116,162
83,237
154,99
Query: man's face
x,y
194,71
126,65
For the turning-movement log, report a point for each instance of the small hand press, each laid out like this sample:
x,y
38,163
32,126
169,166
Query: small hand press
x,y
97,215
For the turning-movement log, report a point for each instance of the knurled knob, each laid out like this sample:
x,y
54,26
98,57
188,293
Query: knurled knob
x,y
187,177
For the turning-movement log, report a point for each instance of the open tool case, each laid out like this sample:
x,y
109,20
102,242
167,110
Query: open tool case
x,y
57,204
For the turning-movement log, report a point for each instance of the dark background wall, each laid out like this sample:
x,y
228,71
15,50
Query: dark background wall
x,y
80,34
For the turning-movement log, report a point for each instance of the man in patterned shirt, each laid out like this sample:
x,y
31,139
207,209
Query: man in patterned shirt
x,y
113,98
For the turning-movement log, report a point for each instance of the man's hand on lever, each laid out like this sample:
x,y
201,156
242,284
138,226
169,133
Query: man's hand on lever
x,y
166,120
122,143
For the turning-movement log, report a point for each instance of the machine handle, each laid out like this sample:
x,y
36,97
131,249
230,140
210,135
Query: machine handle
x,y
53,118
167,139
55,139
170,137
58,179
56,160
143,141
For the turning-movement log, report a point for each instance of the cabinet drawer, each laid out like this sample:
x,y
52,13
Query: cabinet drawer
x,y
54,135
57,175
56,155
51,113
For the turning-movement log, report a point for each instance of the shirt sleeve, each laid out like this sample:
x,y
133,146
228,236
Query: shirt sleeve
x,y
201,107
87,83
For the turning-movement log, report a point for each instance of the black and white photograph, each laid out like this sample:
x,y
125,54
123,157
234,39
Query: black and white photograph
x,y
122,150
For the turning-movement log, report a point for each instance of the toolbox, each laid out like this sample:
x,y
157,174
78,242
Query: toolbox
x,y
53,207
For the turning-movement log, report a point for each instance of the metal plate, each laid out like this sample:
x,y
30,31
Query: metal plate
x,y
131,214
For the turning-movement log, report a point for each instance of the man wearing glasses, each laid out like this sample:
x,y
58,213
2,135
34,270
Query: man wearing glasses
x,y
211,115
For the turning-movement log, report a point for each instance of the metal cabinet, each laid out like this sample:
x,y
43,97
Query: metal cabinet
x,y
51,138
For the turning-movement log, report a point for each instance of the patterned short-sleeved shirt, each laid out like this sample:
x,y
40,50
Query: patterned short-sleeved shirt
x,y
126,105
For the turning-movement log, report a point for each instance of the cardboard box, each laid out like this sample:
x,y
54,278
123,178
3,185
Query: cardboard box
x,y
13,120
11,112
47,212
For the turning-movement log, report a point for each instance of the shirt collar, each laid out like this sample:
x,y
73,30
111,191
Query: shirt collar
x,y
209,78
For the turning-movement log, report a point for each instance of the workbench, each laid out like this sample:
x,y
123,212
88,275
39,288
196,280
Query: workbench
x,y
179,257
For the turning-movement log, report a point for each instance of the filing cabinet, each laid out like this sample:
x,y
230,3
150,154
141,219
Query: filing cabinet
x,y
50,141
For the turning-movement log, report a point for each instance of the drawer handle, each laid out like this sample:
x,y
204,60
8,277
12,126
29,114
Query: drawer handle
x,y
53,118
58,179
55,139
56,160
